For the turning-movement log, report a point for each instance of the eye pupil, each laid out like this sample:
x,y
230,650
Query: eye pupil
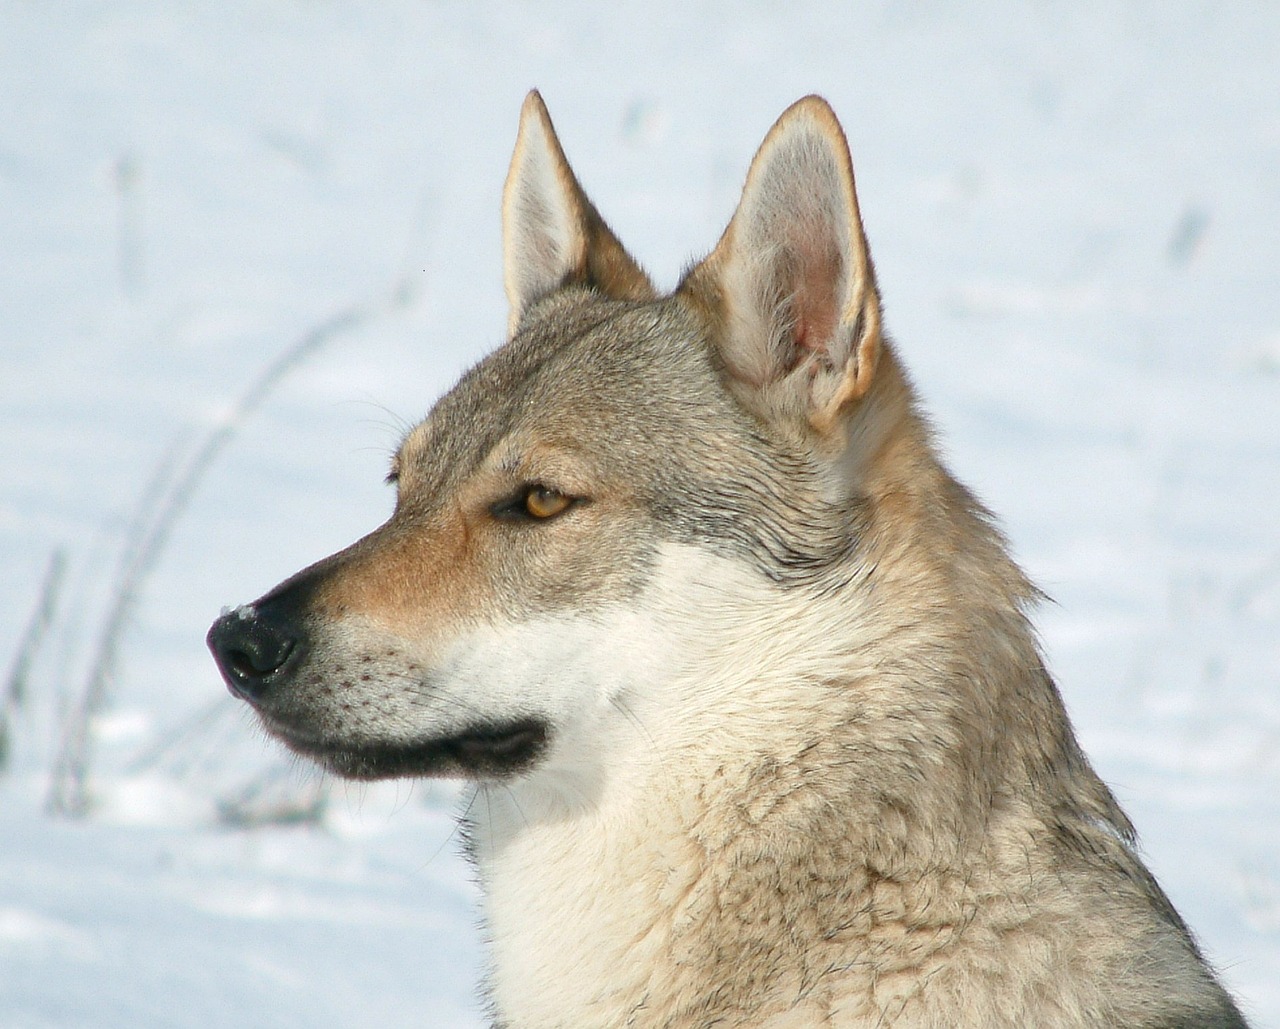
x,y
541,502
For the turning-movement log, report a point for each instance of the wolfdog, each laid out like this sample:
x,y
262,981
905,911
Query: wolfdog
x,y
758,729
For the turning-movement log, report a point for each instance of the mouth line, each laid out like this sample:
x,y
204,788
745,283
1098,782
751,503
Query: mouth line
x,y
489,751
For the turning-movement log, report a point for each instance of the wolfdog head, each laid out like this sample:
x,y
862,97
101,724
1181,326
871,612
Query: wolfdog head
x,y
644,516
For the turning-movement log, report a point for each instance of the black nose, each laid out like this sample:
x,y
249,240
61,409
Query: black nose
x,y
252,647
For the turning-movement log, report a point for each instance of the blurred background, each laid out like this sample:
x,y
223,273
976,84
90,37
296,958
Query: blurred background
x,y
243,246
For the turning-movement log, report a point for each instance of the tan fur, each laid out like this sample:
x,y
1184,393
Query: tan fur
x,y
759,730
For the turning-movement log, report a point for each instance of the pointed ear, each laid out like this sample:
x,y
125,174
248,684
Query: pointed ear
x,y
551,234
790,284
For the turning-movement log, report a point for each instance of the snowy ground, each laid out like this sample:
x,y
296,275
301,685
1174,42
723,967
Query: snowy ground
x,y
1075,211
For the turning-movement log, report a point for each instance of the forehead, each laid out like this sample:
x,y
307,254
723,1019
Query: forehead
x,y
584,366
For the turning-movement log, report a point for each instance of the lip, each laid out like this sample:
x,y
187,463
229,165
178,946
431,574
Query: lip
x,y
490,751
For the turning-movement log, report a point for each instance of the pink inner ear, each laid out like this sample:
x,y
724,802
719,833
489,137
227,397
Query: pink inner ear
x,y
815,303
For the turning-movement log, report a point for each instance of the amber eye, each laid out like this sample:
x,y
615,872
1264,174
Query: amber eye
x,y
540,502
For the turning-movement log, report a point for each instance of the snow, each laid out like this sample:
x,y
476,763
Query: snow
x,y
1074,212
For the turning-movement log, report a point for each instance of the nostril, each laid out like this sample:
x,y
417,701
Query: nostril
x,y
255,662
